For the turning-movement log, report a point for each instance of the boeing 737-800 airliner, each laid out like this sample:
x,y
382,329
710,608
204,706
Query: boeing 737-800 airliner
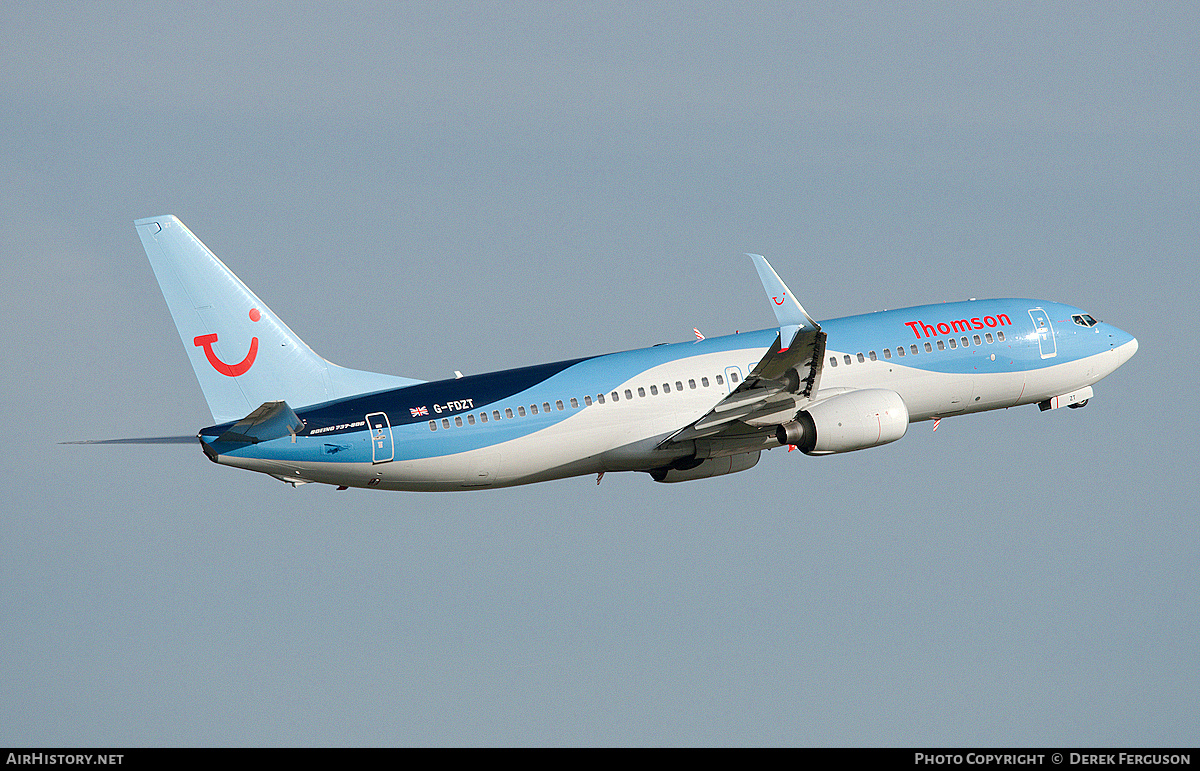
x,y
677,411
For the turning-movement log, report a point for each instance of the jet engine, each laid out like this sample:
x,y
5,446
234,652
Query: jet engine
x,y
847,422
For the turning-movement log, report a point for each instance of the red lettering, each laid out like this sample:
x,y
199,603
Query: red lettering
x,y
921,329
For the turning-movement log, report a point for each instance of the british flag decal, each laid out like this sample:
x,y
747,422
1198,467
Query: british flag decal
x,y
418,411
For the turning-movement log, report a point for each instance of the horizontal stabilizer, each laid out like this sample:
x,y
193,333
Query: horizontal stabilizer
x,y
191,439
272,420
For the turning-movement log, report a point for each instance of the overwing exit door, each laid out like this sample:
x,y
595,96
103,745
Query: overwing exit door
x,y
733,378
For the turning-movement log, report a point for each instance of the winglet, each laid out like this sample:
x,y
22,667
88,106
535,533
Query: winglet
x,y
791,315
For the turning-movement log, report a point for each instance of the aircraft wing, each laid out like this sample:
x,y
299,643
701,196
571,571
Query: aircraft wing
x,y
778,386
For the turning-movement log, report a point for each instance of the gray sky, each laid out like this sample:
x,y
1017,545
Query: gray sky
x,y
421,188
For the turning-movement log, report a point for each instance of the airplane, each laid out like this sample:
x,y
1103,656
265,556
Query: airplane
x,y
676,411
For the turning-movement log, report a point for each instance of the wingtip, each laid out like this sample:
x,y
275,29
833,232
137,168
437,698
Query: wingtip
x,y
157,218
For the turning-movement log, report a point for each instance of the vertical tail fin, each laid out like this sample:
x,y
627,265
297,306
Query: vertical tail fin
x,y
242,353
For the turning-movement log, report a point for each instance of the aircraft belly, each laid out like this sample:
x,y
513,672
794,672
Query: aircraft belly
x,y
925,392
1067,376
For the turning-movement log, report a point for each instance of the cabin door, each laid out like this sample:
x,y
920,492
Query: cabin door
x,y
1045,332
382,448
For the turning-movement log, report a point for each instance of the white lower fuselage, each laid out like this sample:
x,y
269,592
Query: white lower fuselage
x,y
464,446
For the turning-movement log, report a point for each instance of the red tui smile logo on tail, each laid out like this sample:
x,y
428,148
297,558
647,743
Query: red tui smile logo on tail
x,y
229,370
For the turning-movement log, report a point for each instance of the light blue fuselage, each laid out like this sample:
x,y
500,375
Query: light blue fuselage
x,y
612,412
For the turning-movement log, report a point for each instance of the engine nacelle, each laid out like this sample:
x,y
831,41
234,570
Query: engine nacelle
x,y
709,467
847,422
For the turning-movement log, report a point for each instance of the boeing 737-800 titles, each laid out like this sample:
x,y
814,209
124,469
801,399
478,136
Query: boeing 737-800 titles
x,y
677,411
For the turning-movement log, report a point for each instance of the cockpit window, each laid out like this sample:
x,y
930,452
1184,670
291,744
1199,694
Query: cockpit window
x,y
1084,320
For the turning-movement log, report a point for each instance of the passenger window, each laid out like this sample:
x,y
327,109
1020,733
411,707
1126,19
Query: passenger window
x,y
860,358
873,356
1000,336
720,380
953,343
977,340
914,350
600,398
654,390
615,397
558,404
887,353
692,384
458,421
546,407
508,413
445,422
483,417
900,351
733,377
966,343
704,382
987,336
628,394
521,411
533,410
666,388
471,420
833,361
575,402
496,414
847,358
641,391
941,345
678,385
433,425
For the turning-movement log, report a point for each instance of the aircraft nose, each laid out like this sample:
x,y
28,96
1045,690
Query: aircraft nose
x,y
1126,351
